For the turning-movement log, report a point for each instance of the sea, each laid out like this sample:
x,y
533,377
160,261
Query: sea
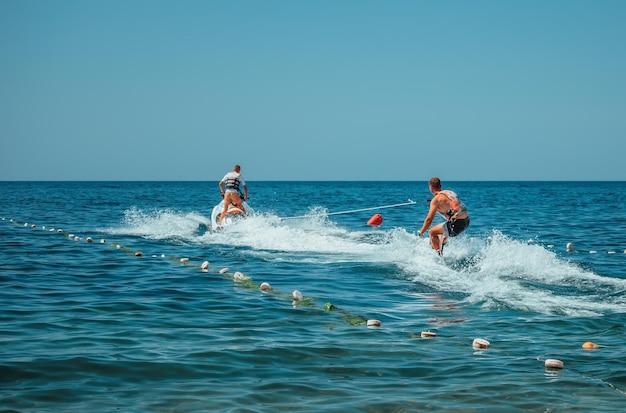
x,y
119,297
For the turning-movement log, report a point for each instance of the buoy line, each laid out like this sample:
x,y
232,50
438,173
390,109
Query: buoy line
x,y
569,248
296,296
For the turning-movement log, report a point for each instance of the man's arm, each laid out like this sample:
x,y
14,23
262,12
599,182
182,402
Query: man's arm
x,y
430,217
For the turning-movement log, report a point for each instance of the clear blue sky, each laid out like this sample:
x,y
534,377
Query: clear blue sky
x,y
313,90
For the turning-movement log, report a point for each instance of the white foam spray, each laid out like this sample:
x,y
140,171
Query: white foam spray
x,y
495,271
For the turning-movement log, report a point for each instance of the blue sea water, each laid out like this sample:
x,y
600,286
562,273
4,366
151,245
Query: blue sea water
x,y
92,327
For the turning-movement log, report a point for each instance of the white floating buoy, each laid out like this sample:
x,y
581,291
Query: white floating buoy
x,y
297,296
70,236
373,323
33,226
480,344
184,260
205,265
554,364
102,241
569,246
59,230
239,276
25,224
428,334
223,271
592,252
89,240
138,254
265,287
162,255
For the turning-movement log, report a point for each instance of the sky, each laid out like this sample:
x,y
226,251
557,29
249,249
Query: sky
x,y
313,90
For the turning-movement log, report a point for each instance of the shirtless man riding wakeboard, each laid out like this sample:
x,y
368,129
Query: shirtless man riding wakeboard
x,y
448,204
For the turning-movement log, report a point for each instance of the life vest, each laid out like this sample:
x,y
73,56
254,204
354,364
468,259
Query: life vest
x,y
232,182
457,205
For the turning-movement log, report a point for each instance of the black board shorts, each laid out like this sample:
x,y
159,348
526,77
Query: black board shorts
x,y
454,227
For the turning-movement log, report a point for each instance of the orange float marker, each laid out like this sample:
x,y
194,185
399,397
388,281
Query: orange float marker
x,y
375,220
589,345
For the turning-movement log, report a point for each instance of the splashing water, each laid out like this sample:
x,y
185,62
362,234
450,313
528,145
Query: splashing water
x,y
496,272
